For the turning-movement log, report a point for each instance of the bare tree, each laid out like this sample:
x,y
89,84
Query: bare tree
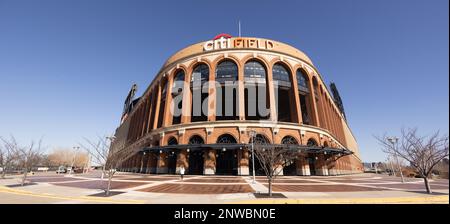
x,y
422,152
273,159
25,157
107,155
8,154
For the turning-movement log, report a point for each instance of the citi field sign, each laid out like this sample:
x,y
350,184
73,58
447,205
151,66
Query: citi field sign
x,y
225,41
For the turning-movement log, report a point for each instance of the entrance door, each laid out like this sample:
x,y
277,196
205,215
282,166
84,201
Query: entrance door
x,y
259,171
196,162
290,169
226,162
312,167
172,163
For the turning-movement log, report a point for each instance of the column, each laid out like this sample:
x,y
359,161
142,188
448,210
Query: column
x,y
297,98
269,81
243,156
152,163
212,94
162,164
303,166
240,92
182,161
210,162
187,99
315,114
321,168
167,117
158,104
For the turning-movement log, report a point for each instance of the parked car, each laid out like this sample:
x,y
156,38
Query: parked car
x,y
61,169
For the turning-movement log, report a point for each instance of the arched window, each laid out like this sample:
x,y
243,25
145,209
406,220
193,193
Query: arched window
x,y
226,139
260,139
302,81
172,141
303,90
283,94
254,70
178,82
226,71
177,90
199,90
289,140
311,142
256,96
196,140
226,96
162,103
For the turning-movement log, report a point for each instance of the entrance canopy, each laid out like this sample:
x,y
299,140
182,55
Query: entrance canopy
x,y
236,146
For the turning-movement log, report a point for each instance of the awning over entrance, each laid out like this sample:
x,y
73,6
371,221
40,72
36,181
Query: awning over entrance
x,y
235,146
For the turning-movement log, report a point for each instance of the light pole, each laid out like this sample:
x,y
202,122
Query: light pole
x,y
392,166
394,141
252,135
74,157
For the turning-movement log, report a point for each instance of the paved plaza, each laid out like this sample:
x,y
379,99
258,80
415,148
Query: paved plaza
x,y
150,188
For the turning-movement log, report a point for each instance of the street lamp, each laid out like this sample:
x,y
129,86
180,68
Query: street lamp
x,y
394,141
252,135
74,157
392,166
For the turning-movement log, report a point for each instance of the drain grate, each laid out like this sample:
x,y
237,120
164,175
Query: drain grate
x,y
266,195
103,194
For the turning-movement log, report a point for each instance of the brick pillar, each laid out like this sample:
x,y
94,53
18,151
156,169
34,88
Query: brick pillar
x,y
210,162
152,163
136,161
243,156
315,113
269,82
331,164
182,160
321,168
162,164
303,166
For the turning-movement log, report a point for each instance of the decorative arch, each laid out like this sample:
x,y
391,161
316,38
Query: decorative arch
x,y
261,139
196,139
312,142
289,140
194,63
222,58
226,139
172,141
258,58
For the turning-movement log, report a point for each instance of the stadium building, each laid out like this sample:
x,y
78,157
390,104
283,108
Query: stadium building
x,y
212,100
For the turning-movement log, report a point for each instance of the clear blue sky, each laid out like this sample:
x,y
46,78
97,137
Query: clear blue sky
x,y
66,66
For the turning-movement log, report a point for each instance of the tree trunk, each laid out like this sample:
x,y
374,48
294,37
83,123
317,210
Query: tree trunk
x,y
24,178
427,185
109,183
103,172
270,187
3,172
